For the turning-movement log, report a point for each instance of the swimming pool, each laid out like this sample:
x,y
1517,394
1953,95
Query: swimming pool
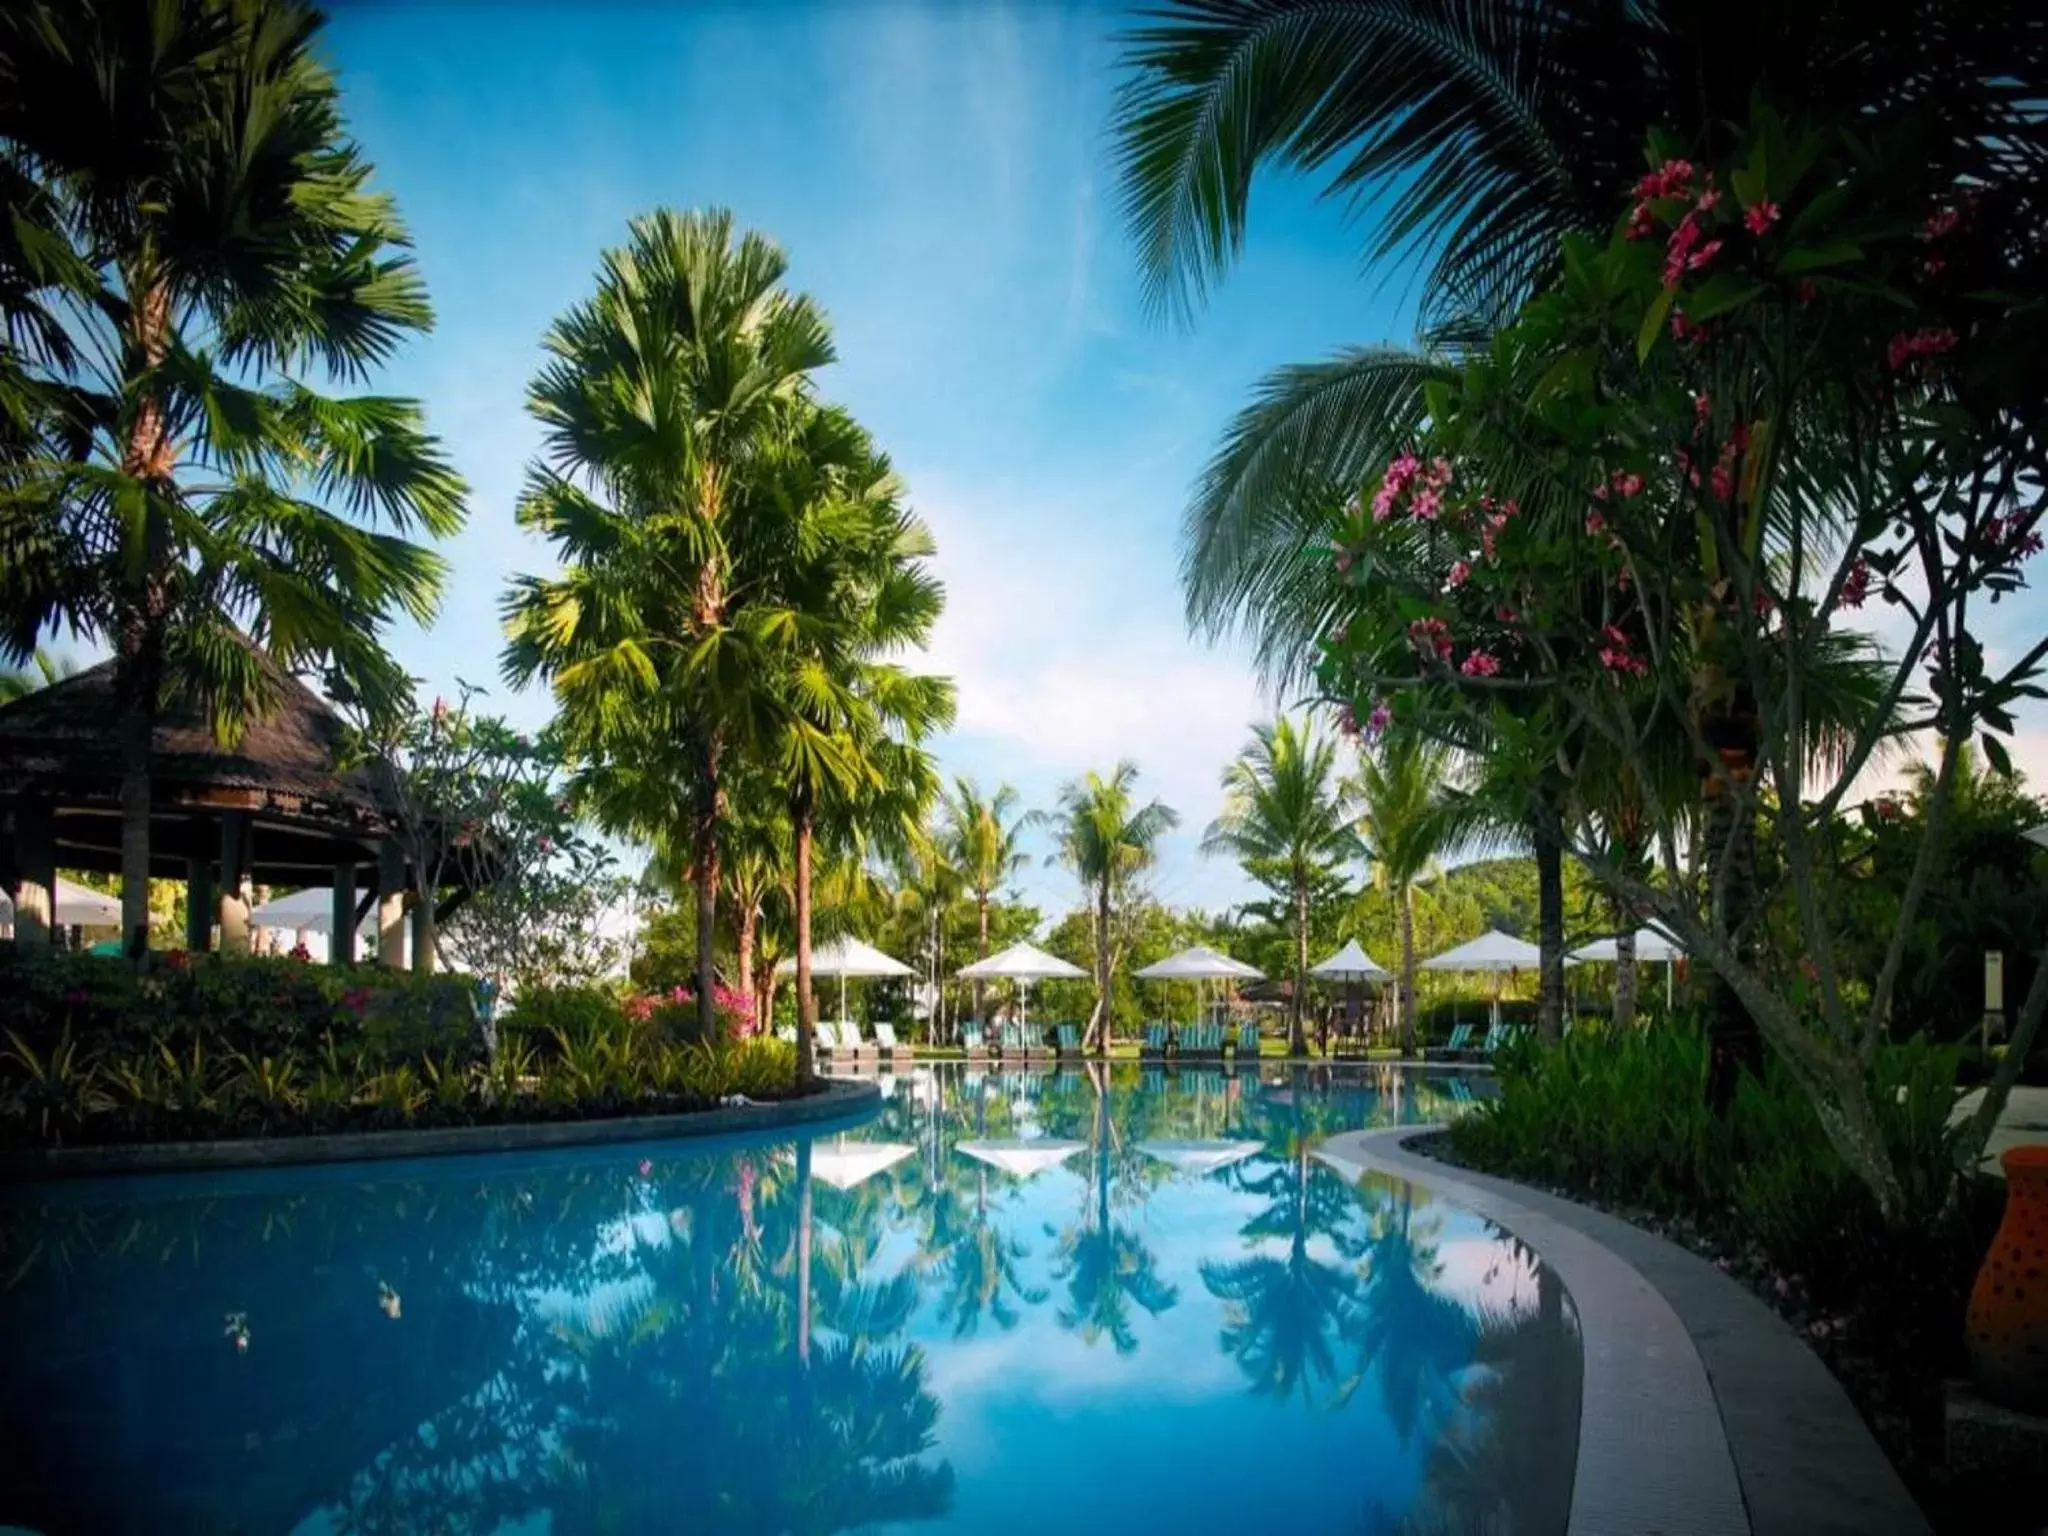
x,y
1083,1300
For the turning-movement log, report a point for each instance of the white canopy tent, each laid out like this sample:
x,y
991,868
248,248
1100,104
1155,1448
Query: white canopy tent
x,y
1199,963
848,957
1351,963
77,907
1652,945
1199,1156
1023,964
1494,954
1019,1158
843,1164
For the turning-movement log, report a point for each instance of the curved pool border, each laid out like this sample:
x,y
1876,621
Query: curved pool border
x,y
839,1098
1702,1412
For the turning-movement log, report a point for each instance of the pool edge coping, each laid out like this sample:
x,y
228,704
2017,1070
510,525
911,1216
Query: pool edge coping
x,y
839,1097
1782,1427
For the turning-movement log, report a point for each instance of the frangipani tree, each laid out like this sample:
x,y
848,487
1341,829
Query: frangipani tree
x,y
1797,380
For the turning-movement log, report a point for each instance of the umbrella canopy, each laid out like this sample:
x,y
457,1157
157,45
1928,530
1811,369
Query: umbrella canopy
x,y
1351,963
1200,963
1652,945
76,907
311,909
2039,836
843,1164
1021,962
1199,1156
848,957
1491,951
1022,1159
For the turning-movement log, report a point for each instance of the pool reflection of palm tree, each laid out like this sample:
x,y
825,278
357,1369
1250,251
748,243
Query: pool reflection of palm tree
x,y
1409,1334
1285,1315
1107,1266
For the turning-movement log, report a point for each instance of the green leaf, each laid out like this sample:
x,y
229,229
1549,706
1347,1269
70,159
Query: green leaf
x,y
1719,294
1829,253
1653,322
1996,755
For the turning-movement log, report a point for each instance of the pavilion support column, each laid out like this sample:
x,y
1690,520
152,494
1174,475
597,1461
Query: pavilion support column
x,y
391,904
341,917
424,930
234,893
35,885
198,905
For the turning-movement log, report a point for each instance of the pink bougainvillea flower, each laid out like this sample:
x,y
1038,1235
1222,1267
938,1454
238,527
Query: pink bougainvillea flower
x,y
1595,523
1479,664
1940,223
1377,722
1702,407
1671,179
1506,615
1702,256
1347,720
1711,198
1461,572
1426,505
1759,217
1618,655
1431,637
1627,485
1683,329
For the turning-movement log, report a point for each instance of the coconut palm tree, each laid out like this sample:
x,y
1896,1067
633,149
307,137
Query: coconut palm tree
x,y
1107,1266
1409,821
982,834
1108,841
1285,818
197,254
661,395
42,670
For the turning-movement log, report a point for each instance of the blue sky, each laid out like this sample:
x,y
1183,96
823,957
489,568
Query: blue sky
x,y
942,181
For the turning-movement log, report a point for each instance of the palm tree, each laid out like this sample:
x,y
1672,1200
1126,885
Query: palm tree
x,y
196,249
982,834
850,588
1285,818
1409,822
1107,841
662,393
42,670
1107,1266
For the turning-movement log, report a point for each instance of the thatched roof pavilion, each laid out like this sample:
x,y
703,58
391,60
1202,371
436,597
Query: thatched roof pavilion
x,y
282,805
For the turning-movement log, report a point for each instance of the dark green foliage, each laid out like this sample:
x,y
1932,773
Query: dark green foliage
x,y
211,1046
1623,1120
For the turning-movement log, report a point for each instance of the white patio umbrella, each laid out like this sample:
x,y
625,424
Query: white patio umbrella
x,y
77,906
843,1164
1652,944
1023,964
1199,1156
1020,1159
1493,953
1199,963
1350,965
2039,836
848,957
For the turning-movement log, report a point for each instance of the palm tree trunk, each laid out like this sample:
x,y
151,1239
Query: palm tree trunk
x,y
1099,1027
140,682
1548,835
806,1004
981,917
744,940
1297,1035
1408,970
704,866
1625,975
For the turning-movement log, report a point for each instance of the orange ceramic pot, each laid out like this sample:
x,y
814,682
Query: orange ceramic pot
x,y
2007,1324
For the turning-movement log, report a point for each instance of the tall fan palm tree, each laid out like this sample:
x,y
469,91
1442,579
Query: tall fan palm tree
x,y
982,835
1409,822
1285,817
661,394
1107,840
195,254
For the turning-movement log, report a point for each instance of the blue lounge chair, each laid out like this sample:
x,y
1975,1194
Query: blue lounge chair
x,y
1459,1043
974,1041
1248,1041
1153,1042
1070,1040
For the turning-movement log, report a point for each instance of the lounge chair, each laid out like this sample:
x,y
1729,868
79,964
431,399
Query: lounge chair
x,y
1031,1041
974,1041
853,1047
1496,1037
1201,1039
1459,1043
824,1043
1247,1041
1153,1042
1070,1039
892,1049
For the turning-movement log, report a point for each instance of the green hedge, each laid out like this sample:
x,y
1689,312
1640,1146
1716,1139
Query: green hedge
x,y
212,1046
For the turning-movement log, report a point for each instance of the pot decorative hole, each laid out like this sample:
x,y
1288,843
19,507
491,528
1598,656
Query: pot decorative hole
x,y
2007,1324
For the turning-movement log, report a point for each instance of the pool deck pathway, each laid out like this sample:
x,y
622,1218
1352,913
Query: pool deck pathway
x,y
1703,1413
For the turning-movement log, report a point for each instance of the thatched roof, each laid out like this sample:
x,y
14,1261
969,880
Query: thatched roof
x,y
63,741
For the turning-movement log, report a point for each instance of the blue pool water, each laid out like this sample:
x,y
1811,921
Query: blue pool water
x,y
1061,1302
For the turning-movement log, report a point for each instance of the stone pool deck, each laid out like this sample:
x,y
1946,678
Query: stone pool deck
x,y
1703,1413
